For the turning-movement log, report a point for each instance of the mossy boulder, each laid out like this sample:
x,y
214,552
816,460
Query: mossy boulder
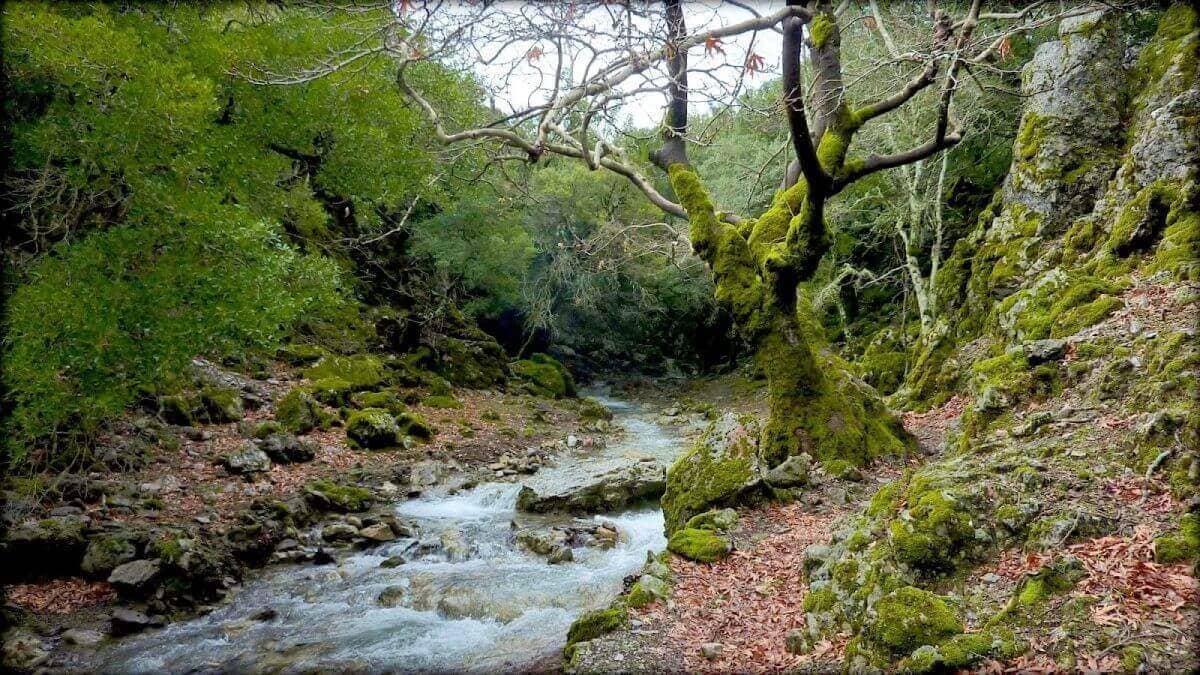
x,y
326,495
542,375
937,528
299,412
299,354
961,651
332,391
387,400
717,520
415,426
720,467
442,402
372,429
1181,546
699,545
908,618
220,404
646,590
592,625
107,552
360,372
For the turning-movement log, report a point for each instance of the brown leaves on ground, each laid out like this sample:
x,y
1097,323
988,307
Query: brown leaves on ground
x,y
60,596
751,600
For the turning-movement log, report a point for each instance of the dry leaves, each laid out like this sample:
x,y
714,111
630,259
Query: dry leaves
x,y
60,596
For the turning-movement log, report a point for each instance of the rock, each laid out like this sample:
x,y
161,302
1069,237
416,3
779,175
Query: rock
x,y
392,562
22,650
454,544
326,495
127,621
560,554
606,486
426,473
646,590
698,545
248,460
1041,351
538,541
136,577
49,546
721,465
323,557
82,637
265,614
721,520
378,532
392,596
339,532
106,552
287,449
572,441
673,411
711,650
792,472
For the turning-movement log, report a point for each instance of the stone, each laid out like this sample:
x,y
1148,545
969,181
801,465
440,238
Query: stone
x,y
792,472
572,441
560,554
323,557
698,545
339,532
393,562
392,596
1041,351
106,552
82,637
711,650
128,621
426,473
247,460
797,642
23,650
136,577
606,486
373,429
378,532
48,546
454,544
265,614
287,449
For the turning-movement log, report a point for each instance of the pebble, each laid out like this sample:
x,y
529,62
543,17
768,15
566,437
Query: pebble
x,y
991,578
711,650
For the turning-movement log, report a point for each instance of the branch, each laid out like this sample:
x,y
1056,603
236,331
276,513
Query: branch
x,y
674,150
793,98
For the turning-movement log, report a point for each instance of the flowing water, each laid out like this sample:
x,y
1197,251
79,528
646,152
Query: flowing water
x,y
491,607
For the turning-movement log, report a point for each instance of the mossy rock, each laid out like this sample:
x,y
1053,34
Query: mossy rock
x,y
1181,546
594,624
908,618
415,426
326,495
699,545
474,359
721,520
372,429
542,375
267,428
299,412
646,590
332,391
961,651
298,354
718,469
937,529
442,402
221,404
361,372
388,400
590,409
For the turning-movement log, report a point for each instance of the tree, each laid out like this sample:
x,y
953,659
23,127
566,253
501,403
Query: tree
x,y
593,57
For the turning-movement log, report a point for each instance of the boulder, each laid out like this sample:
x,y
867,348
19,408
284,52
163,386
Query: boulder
x,y
106,552
22,650
247,460
378,532
136,577
82,637
339,532
46,547
372,429
606,486
287,449
128,621
1041,351
454,544
722,465
792,472
392,596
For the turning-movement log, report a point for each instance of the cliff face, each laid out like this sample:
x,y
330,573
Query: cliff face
x,y
1070,336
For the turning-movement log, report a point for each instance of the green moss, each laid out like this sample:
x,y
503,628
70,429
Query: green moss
x,y
298,412
268,428
1076,319
442,402
908,618
1142,218
372,429
821,28
415,426
819,600
591,409
716,520
361,371
1181,546
542,375
647,590
594,624
388,400
738,287
221,404
327,495
1132,658
1057,577
301,354
699,545
1031,135
332,391
710,473
937,529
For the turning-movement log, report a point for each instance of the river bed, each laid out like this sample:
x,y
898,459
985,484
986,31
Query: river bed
x,y
484,607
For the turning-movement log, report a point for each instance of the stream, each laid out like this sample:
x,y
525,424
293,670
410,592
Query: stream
x,y
492,607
